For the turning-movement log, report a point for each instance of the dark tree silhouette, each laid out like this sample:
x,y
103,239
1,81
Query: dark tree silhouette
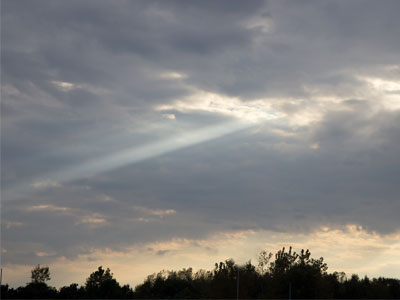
x,y
102,285
271,279
72,292
40,274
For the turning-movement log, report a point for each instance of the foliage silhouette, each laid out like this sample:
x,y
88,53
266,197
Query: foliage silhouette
x,y
40,274
307,277
102,285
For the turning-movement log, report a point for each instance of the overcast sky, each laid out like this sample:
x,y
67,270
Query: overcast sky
x,y
142,135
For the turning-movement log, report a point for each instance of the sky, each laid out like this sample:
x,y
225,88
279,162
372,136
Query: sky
x,y
150,135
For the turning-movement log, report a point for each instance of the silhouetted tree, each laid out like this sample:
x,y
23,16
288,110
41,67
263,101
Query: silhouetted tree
x,y
307,276
102,285
40,274
72,292
263,260
37,290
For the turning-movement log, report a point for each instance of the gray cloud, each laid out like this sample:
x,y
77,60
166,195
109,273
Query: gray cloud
x,y
245,181
83,79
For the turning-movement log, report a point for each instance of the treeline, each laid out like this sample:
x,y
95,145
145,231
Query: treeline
x,y
286,274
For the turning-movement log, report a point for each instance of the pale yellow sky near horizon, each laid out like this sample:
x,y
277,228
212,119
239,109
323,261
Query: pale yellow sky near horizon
x,y
350,249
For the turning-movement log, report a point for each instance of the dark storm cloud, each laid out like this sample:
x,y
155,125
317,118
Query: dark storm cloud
x,y
81,79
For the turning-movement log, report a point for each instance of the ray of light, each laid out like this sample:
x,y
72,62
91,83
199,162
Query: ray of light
x,y
132,155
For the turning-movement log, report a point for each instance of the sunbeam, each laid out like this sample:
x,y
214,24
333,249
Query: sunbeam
x,y
128,156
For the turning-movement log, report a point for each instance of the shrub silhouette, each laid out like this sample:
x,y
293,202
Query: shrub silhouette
x,y
288,272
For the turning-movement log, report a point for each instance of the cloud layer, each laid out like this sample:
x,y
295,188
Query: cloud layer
x,y
138,122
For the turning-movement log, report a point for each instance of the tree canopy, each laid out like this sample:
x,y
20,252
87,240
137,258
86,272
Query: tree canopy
x,y
286,274
40,274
